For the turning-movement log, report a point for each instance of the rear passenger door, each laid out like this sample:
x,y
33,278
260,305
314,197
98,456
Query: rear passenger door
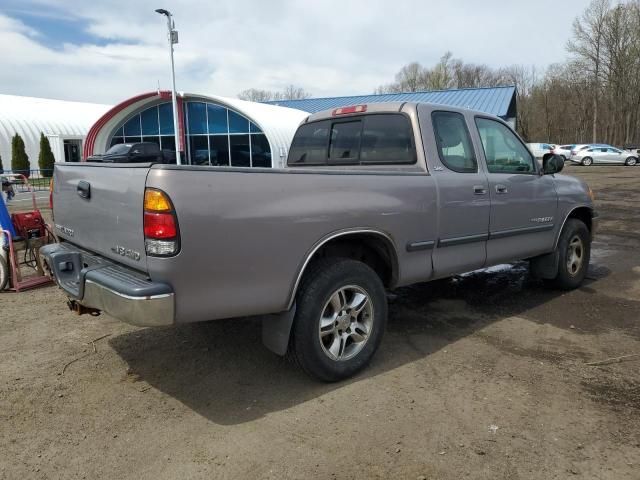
x,y
523,202
463,198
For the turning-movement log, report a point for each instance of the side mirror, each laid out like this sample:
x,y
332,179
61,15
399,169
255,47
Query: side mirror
x,y
552,164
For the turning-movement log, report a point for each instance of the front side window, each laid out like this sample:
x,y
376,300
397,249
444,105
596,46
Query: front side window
x,y
454,144
503,151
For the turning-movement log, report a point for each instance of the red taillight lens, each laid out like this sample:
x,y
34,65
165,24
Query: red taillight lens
x,y
351,109
161,234
159,226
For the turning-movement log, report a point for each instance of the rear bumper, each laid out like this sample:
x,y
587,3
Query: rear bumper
x,y
98,283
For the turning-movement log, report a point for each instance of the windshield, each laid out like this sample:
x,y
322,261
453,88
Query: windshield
x,y
120,148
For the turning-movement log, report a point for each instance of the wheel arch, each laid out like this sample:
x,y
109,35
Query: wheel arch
x,y
373,247
583,213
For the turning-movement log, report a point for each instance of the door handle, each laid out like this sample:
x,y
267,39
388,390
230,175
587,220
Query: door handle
x,y
479,189
84,189
501,188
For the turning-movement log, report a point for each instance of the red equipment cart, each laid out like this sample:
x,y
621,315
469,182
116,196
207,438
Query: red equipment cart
x,y
32,233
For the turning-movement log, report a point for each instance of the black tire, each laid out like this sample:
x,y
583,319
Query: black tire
x,y
631,161
320,283
568,278
4,273
586,161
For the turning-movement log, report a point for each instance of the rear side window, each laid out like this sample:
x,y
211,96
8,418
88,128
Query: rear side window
x,y
309,146
454,143
381,139
387,139
151,149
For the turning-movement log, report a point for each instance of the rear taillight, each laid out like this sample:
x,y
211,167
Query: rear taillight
x,y
161,234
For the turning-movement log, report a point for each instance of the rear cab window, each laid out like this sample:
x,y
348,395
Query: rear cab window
x,y
373,139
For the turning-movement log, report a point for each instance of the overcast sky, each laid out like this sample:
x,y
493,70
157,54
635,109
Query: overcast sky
x,y
108,50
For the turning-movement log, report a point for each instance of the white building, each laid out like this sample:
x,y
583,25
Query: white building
x,y
212,130
65,124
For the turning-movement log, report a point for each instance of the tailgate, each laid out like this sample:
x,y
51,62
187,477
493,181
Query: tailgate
x,y
100,207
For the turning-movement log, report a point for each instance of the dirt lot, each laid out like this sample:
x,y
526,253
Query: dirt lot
x,y
482,376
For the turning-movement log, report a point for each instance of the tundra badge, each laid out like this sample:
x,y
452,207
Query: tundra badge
x,y
126,252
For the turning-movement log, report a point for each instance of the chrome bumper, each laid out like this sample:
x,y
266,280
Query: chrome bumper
x,y
97,283
148,311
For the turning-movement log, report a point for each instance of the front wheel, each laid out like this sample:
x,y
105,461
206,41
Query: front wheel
x,y
574,253
586,161
631,161
341,315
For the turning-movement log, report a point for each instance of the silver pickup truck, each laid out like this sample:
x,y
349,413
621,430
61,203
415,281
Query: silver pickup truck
x,y
374,197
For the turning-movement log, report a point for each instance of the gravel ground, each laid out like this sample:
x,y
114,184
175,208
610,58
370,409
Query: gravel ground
x,y
482,376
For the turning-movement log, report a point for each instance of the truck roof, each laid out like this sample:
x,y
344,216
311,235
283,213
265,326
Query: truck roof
x,y
386,107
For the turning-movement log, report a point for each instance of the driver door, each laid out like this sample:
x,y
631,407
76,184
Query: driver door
x,y
523,202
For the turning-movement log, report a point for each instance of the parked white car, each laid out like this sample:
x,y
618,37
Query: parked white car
x,y
539,150
563,150
605,155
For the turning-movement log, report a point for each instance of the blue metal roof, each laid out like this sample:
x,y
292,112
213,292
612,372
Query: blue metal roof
x,y
493,100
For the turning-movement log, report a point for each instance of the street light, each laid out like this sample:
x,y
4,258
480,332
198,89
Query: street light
x,y
173,38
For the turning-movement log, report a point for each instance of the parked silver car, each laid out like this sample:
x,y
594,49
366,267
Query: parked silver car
x,y
605,155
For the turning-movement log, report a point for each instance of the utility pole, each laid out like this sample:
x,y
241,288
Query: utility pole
x,y
173,38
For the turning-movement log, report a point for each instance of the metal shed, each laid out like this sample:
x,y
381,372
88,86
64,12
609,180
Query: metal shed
x,y
498,101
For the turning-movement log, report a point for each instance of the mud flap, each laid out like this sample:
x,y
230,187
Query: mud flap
x,y
545,266
276,330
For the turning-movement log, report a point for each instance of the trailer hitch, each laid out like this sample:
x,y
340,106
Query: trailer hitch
x,y
81,309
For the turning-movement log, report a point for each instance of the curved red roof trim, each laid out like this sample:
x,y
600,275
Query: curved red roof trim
x,y
90,141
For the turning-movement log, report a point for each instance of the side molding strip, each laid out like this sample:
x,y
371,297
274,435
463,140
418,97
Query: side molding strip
x,y
520,231
416,246
450,242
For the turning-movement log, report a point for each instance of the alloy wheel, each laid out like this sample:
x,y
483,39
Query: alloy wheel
x,y
346,323
575,255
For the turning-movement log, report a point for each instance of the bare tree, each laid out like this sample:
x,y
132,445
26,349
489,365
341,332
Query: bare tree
x,y
290,92
256,95
586,45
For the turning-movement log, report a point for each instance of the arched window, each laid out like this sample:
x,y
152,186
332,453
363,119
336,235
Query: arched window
x,y
215,135
155,124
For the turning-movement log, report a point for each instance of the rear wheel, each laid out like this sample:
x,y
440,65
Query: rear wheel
x,y
4,273
586,161
341,314
574,253
631,161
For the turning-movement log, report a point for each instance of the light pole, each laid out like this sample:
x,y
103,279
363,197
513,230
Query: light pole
x,y
173,38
